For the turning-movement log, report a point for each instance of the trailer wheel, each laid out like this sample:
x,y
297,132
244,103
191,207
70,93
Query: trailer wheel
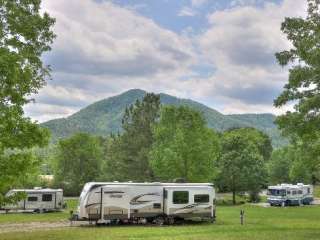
x,y
170,220
159,221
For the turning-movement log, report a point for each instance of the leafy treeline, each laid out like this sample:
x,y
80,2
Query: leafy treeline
x,y
104,117
168,143
165,143
25,34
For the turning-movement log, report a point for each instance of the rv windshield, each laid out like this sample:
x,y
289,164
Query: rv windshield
x,y
277,192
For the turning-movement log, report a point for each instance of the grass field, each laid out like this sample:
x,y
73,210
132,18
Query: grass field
x,y
260,223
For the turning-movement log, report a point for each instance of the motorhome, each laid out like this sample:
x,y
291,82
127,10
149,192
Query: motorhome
x,y
37,200
289,194
103,202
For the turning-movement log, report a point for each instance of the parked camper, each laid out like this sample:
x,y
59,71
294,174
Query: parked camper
x,y
38,200
145,202
288,194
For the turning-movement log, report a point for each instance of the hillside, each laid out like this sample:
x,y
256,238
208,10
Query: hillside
x,y
104,117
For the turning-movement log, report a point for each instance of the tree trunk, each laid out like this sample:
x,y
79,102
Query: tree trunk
x,y
233,197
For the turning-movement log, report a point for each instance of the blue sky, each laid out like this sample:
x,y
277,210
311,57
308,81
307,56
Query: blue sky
x,y
218,52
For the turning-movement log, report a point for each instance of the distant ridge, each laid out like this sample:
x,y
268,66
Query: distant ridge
x,y
104,117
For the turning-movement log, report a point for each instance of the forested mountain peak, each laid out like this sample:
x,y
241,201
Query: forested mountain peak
x,y
104,117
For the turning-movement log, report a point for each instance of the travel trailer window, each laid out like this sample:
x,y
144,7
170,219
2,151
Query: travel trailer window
x,y
180,197
300,192
32,199
201,198
47,197
294,192
308,190
288,192
277,192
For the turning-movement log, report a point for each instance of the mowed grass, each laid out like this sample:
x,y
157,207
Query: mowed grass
x,y
260,223
35,217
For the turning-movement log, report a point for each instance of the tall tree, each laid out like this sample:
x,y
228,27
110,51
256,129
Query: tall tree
x,y
280,164
78,160
303,87
184,146
242,161
25,34
129,152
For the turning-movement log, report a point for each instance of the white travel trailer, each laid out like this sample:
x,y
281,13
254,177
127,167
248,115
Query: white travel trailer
x,y
104,202
38,200
288,194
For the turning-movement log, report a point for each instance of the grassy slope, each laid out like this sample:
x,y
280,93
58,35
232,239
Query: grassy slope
x,y
261,223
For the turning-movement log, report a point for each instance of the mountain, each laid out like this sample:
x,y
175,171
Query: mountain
x,y
104,117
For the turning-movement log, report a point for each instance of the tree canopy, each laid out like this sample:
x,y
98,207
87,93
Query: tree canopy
x,y
242,161
303,87
25,34
129,151
79,160
184,146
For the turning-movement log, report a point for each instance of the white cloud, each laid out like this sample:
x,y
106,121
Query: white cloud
x,y
187,12
198,3
241,43
103,50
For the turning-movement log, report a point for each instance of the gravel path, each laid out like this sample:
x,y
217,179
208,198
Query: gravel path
x,y
33,226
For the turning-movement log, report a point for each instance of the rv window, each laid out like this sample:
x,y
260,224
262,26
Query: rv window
x,y
46,197
300,192
157,205
32,199
294,192
288,192
180,197
201,198
308,190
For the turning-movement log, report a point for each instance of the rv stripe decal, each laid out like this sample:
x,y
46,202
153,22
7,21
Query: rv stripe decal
x,y
136,201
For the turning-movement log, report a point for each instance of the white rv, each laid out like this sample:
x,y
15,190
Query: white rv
x,y
289,194
103,202
38,200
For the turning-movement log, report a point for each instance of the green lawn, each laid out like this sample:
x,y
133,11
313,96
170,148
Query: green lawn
x,y
261,223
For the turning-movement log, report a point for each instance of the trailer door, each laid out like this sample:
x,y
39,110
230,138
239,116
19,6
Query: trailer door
x,y
115,202
176,200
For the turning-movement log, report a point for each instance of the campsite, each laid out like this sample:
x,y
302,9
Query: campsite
x,y
164,119
260,222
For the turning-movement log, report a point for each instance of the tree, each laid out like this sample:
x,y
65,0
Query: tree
x,y
242,161
303,87
184,147
25,35
129,151
78,160
280,164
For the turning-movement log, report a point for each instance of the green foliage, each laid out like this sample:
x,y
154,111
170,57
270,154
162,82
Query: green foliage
x,y
302,124
78,160
104,117
245,152
129,152
279,165
184,147
24,35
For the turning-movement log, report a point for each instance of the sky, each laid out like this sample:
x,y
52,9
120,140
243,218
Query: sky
x,y
218,52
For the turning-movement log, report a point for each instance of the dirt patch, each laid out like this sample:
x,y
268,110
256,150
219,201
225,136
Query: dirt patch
x,y
32,226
